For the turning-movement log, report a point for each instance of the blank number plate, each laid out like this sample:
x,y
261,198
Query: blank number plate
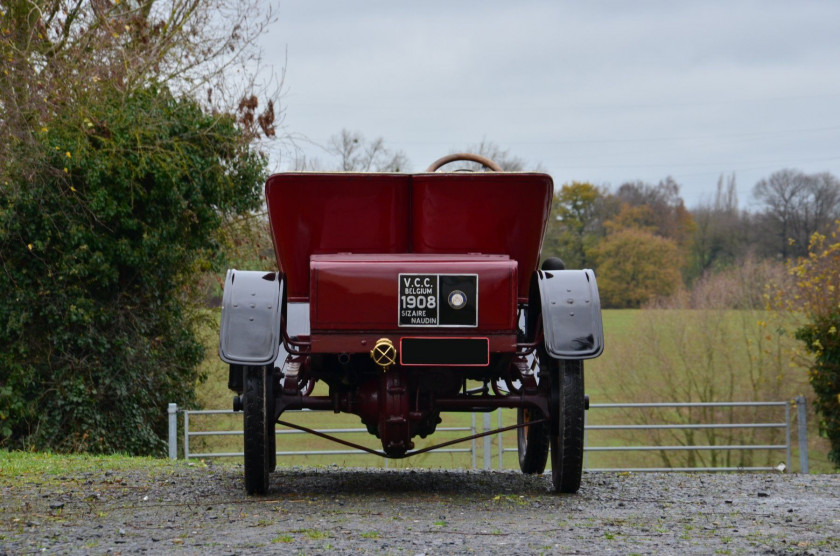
x,y
445,352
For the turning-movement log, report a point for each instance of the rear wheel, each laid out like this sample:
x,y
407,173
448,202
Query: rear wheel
x,y
258,428
568,407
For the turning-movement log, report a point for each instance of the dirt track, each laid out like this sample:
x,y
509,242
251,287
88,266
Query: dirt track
x,y
201,509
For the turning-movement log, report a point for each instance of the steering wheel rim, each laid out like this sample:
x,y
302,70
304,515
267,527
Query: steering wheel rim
x,y
467,157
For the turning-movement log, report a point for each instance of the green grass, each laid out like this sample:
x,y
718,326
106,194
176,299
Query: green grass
x,y
313,534
20,464
619,322
19,468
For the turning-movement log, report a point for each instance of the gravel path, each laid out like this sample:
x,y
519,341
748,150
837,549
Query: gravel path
x,y
203,509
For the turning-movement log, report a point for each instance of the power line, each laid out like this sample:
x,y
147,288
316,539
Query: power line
x,y
642,139
693,165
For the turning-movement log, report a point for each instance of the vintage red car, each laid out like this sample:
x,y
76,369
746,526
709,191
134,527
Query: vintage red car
x,y
409,295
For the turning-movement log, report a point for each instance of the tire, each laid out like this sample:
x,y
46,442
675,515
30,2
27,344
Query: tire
x,y
258,430
532,442
568,409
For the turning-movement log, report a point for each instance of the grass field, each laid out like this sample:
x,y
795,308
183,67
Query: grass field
x,y
23,467
607,381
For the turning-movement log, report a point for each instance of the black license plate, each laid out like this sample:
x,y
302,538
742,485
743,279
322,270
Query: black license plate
x,y
445,300
471,352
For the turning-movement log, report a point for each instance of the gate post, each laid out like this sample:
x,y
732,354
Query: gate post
x,y
487,443
499,438
173,431
801,416
473,447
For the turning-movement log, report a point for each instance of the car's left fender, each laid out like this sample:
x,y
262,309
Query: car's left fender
x,y
570,306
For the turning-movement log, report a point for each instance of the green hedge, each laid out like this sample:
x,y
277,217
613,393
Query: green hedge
x,y
105,217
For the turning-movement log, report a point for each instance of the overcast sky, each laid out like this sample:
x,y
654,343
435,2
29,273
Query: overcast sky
x,y
604,92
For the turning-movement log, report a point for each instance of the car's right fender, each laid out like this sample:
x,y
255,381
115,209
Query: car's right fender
x,y
249,333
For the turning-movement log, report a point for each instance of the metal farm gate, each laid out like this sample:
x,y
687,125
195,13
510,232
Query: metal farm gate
x,y
485,450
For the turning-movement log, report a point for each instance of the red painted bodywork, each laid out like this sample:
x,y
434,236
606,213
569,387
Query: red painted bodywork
x,y
446,213
360,292
342,241
355,299
334,213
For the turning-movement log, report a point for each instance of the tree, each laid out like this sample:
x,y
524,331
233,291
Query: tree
x,y
719,237
659,209
56,52
359,156
633,267
795,206
635,217
576,223
114,183
355,154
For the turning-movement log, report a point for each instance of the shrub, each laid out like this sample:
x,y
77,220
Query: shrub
x,y
118,202
818,297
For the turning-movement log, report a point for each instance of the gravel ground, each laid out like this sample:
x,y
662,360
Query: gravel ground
x,y
203,509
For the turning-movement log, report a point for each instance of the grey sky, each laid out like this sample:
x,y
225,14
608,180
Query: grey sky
x,y
604,92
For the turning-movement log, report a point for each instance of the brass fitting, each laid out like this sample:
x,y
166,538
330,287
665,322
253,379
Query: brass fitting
x,y
384,353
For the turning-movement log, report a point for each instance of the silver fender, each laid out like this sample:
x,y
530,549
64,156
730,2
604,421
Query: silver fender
x,y
571,313
250,328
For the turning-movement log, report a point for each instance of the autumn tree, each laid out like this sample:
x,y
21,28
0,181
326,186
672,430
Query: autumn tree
x,y
576,223
634,266
818,298
658,209
641,217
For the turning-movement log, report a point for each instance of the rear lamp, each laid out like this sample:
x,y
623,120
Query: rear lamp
x,y
457,299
